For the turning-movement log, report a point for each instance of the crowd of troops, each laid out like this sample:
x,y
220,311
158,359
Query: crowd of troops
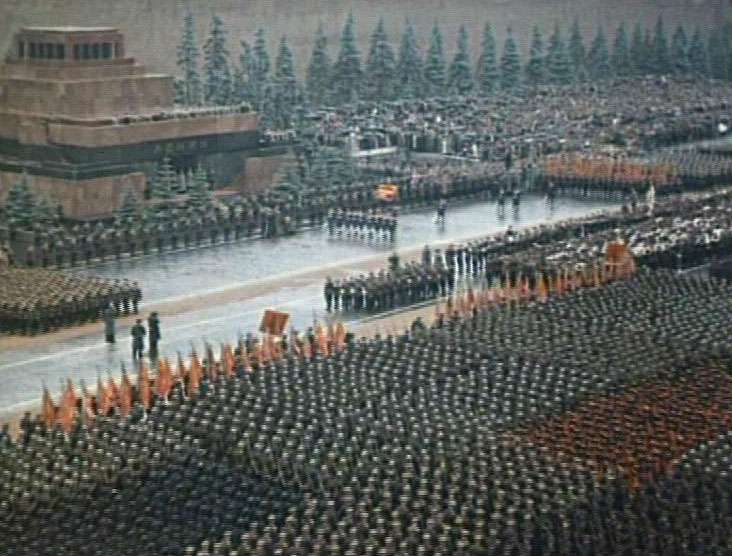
x,y
596,423
265,216
34,300
372,225
669,111
680,234
670,171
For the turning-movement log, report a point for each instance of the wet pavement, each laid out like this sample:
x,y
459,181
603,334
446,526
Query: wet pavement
x,y
215,293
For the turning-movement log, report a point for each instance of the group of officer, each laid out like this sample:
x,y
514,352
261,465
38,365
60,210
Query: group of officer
x,y
34,300
370,224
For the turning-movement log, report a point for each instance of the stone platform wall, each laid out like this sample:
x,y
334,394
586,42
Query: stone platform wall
x,y
80,198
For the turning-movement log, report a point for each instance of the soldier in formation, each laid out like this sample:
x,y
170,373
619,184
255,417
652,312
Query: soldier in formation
x,y
510,431
372,225
34,300
695,232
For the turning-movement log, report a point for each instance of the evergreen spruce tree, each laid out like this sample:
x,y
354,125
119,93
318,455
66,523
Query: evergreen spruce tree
x,y
165,182
317,78
434,65
288,183
559,65
577,52
199,192
179,96
380,66
461,76
20,204
130,206
720,53
342,167
244,76
409,77
46,212
260,69
318,177
486,74
621,62
647,61
598,57
510,65
285,87
637,51
347,73
680,51
269,106
659,49
188,54
219,82
535,70
698,60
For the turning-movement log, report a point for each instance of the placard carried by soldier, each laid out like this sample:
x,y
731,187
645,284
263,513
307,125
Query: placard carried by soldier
x,y
274,322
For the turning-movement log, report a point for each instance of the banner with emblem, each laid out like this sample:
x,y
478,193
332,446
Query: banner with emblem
x,y
387,191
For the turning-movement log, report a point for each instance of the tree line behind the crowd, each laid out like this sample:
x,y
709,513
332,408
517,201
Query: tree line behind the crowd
x,y
212,75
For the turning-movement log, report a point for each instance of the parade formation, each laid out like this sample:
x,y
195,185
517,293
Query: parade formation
x,y
556,387
486,433
676,234
34,300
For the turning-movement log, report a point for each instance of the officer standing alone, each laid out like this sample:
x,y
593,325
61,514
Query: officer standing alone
x,y
109,314
138,339
153,327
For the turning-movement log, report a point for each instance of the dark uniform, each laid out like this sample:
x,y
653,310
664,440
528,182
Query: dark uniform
x,y
153,323
138,339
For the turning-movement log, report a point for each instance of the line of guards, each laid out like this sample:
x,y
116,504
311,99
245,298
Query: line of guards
x,y
542,249
241,218
363,224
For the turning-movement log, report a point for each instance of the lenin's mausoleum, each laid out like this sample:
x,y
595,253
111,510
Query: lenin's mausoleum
x,y
86,123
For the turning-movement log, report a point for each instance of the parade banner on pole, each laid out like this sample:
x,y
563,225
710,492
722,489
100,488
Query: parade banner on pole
x,y
274,322
387,191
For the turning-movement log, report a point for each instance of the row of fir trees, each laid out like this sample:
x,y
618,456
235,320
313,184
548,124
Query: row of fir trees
x,y
23,209
408,71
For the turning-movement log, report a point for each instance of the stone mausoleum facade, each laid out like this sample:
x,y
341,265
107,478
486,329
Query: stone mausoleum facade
x,y
86,122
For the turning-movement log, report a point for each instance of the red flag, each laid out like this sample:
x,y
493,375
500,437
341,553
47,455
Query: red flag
x,y
321,337
125,397
194,374
49,408
340,335
182,372
143,386
266,349
70,394
257,353
67,408
227,359
87,405
542,293
113,393
103,401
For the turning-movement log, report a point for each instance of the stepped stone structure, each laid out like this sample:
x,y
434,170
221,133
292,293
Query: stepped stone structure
x,y
86,122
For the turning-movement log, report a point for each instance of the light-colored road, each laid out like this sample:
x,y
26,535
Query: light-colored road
x,y
216,293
